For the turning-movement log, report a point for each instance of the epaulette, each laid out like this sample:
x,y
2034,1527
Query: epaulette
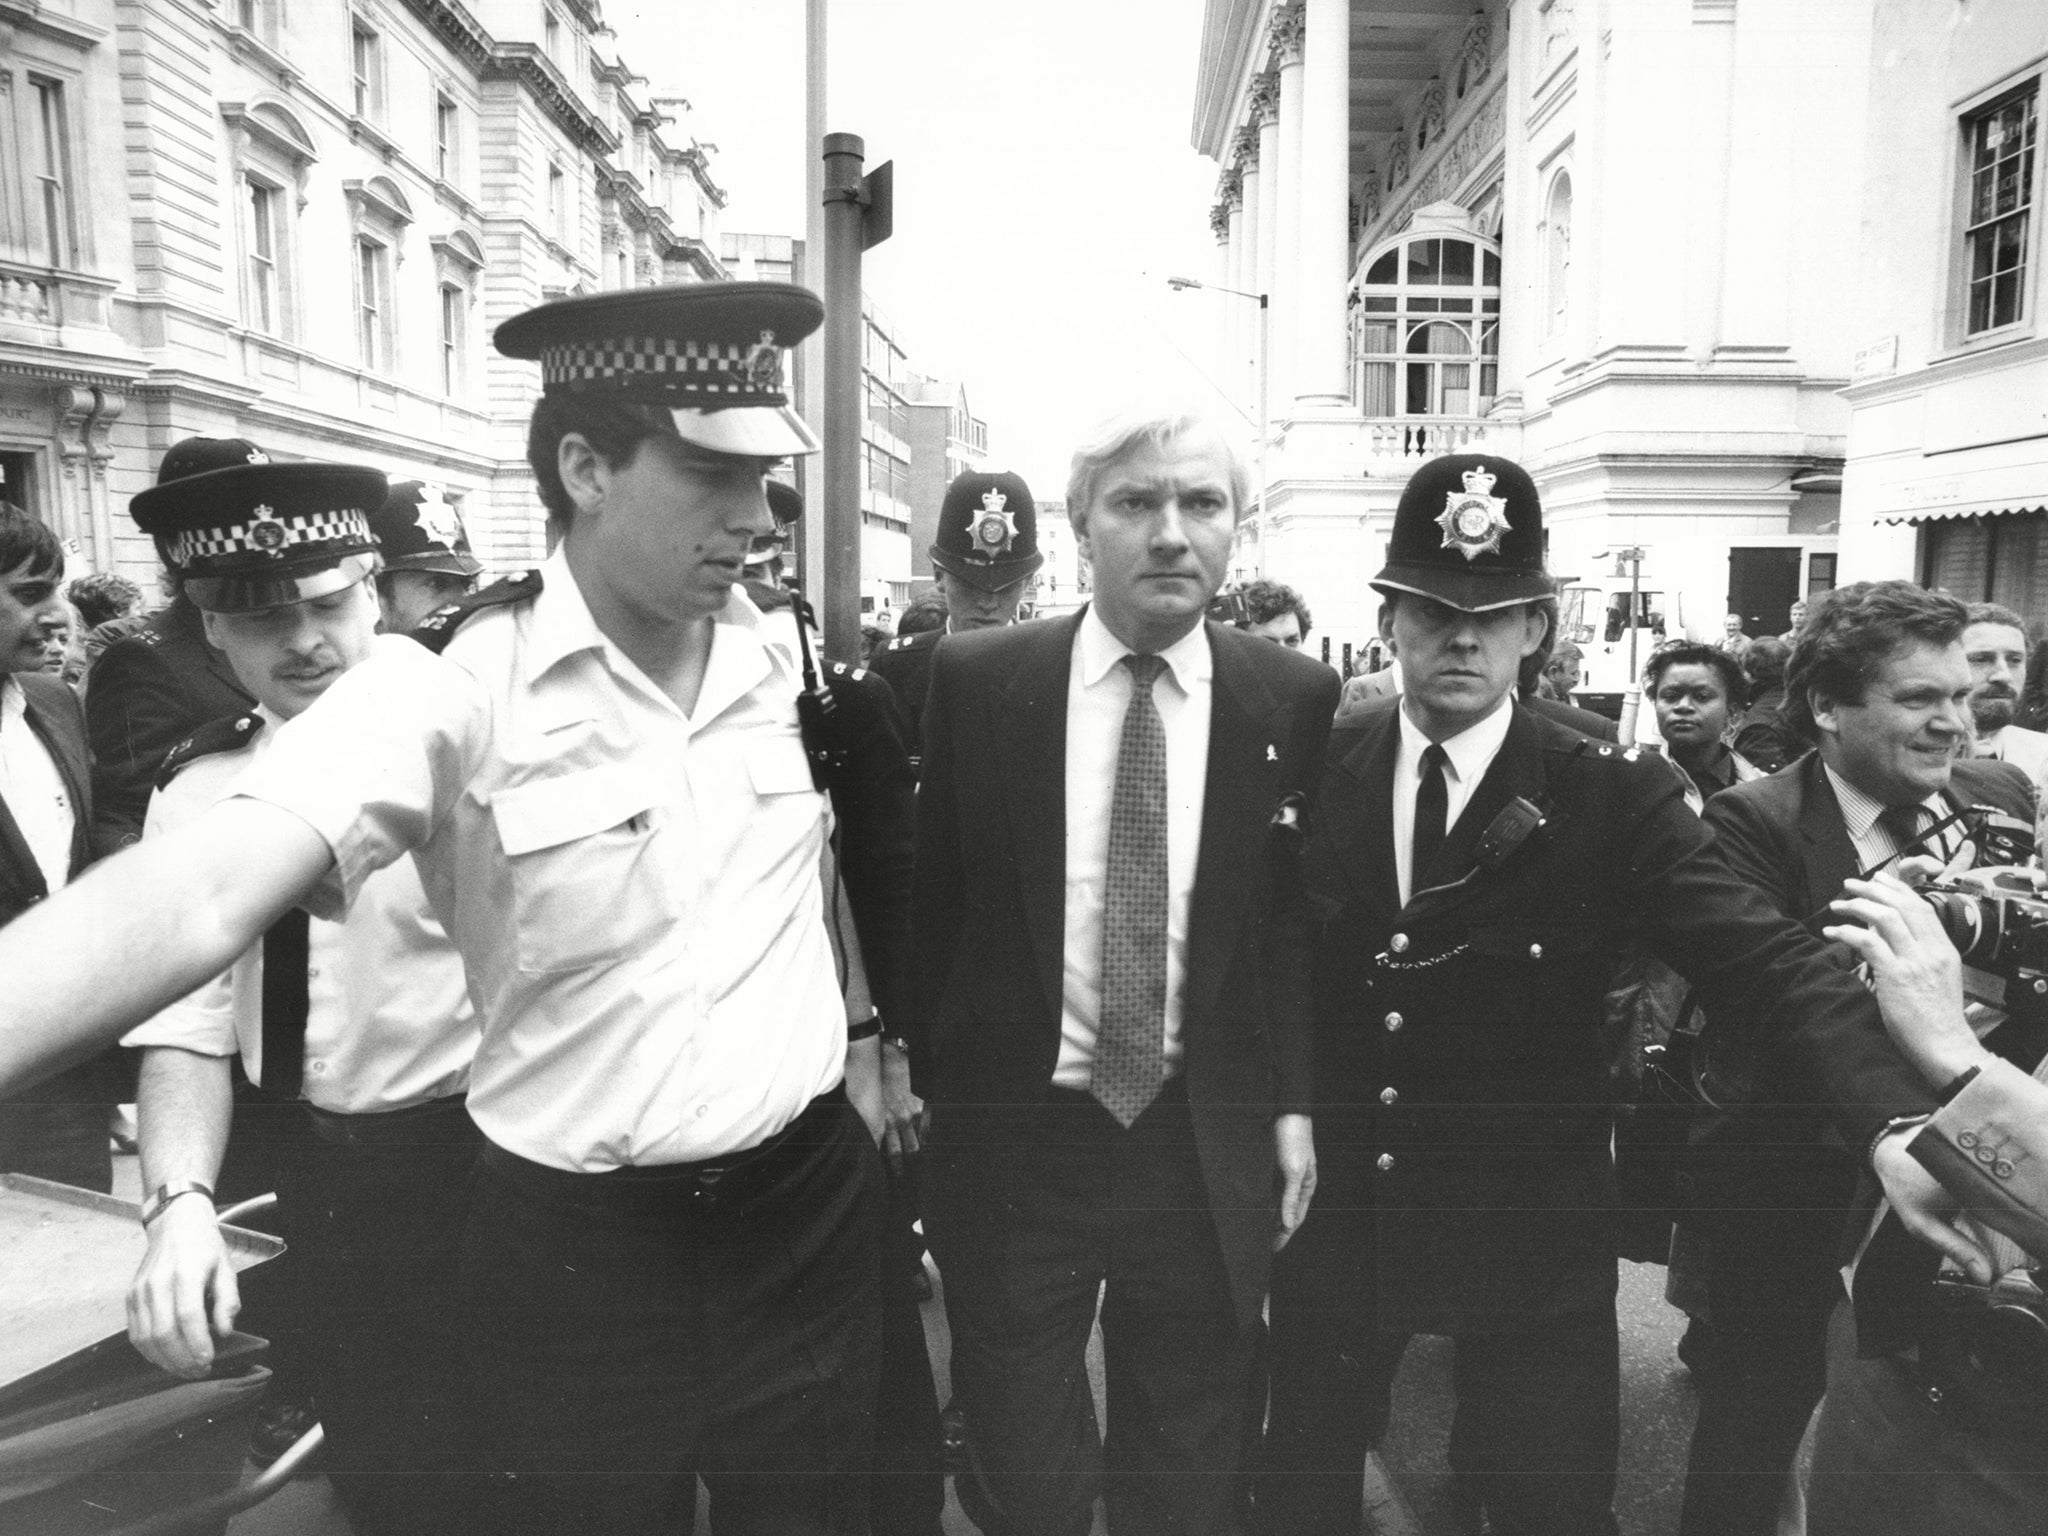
x,y
439,627
901,642
215,736
841,669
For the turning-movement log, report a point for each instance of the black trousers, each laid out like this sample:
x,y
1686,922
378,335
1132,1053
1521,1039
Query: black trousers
x,y
1771,1285
909,1493
632,1330
1537,1433
372,1211
1037,1211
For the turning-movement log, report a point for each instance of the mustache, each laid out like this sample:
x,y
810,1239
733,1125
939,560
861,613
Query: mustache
x,y
1998,691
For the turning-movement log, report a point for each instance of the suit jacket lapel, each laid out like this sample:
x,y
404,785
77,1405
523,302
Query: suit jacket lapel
x,y
1031,730
1238,798
67,751
1830,856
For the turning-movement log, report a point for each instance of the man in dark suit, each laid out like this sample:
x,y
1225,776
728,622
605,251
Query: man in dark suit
x,y
1478,871
1110,1016
985,551
57,1130
1879,682
150,690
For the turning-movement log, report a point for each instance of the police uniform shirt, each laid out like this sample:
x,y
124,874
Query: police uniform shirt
x,y
1098,692
388,1019
32,789
1467,757
635,890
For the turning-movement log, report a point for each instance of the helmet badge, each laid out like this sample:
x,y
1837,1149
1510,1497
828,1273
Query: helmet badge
x,y
1474,521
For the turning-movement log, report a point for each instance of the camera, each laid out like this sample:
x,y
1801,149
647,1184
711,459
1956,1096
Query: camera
x,y
1229,607
1996,917
1989,1343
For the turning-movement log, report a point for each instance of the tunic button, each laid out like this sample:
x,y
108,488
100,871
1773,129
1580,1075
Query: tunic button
x,y
1398,943
2003,1168
1394,1021
1535,951
1388,1096
1386,1162
1966,1139
1985,1154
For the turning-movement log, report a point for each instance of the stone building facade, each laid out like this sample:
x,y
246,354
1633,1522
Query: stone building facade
x,y
298,221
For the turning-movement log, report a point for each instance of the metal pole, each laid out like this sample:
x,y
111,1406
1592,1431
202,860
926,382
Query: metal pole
x,y
838,598
1265,386
811,404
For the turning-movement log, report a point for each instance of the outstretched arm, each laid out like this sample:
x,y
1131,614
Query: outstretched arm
x,y
184,1291
144,929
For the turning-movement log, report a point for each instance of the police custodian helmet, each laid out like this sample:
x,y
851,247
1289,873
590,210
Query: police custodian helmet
x,y
988,530
1468,532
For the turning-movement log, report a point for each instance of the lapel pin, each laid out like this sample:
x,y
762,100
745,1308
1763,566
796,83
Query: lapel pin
x,y
1272,754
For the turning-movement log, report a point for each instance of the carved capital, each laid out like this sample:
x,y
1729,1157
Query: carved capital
x,y
1263,104
1219,222
1244,146
1289,27
1230,188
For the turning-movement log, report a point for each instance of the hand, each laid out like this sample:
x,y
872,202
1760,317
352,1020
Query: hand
x,y
1294,1148
864,1084
1927,1209
184,1284
1918,975
903,1111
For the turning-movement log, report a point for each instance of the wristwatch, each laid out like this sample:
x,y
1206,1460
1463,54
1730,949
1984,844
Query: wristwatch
x,y
153,1207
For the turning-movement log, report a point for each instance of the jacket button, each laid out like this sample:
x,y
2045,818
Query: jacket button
x,y
1398,943
1985,1154
1535,951
1385,1162
1395,1021
1966,1139
2003,1168
1389,1096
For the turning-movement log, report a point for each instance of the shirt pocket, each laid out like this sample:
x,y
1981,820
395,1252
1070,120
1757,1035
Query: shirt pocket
x,y
587,878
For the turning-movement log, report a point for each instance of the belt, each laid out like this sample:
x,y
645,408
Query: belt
x,y
650,1187
437,1120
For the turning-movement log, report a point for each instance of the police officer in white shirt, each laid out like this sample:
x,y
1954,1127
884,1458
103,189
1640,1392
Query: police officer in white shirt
x,y
365,1023
670,1264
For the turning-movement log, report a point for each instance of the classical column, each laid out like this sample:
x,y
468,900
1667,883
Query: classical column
x,y
1289,25
1265,115
1322,259
1238,325
1222,223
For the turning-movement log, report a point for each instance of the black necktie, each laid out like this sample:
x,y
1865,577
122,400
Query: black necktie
x,y
284,1005
1432,806
1902,822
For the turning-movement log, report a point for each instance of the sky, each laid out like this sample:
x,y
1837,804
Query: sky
x,y
1045,187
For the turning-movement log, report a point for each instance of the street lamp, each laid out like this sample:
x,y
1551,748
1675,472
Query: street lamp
x,y
1181,285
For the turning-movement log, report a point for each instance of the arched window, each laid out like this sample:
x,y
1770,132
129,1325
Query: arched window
x,y
1557,254
1426,329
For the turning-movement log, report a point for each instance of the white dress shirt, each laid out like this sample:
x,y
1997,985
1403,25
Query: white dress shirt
x,y
33,789
1467,757
389,1022
2024,749
1098,692
634,890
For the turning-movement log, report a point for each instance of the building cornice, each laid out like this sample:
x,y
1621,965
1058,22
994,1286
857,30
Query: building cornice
x,y
31,16
1230,34
1947,370
523,63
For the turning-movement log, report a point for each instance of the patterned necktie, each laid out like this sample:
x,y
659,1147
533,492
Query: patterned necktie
x,y
284,1005
1432,809
1130,1041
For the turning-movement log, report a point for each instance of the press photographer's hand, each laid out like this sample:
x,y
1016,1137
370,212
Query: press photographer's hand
x,y
1916,972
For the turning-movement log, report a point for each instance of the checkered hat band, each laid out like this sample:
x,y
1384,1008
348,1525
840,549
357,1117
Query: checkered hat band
x,y
685,367
271,535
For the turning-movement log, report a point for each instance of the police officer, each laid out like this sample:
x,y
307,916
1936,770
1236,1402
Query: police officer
x,y
153,688
362,1030
670,1259
427,561
1478,871
986,552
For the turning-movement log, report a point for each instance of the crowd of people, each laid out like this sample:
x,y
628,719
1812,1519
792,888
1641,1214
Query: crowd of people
x,y
620,995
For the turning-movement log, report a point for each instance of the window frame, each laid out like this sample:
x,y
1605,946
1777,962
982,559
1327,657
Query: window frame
x,y
374,317
366,68
1408,307
2030,84
51,175
264,209
447,138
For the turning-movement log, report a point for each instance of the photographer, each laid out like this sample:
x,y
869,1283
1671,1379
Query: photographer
x,y
1944,1426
